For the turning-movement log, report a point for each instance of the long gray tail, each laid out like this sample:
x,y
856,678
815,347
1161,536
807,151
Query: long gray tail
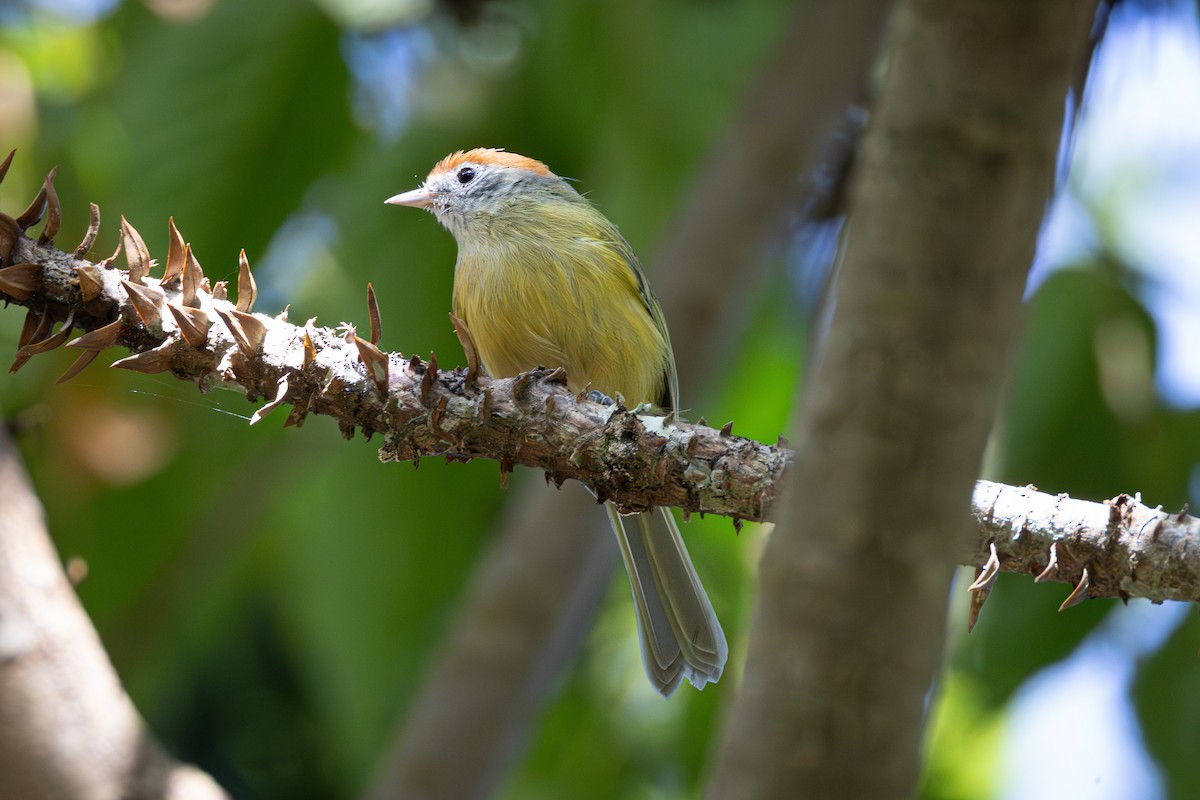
x,y
680,635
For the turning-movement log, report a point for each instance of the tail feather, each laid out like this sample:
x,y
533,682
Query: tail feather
x,y
679,631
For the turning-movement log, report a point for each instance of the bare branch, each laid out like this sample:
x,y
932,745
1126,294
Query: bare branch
x,y
67,728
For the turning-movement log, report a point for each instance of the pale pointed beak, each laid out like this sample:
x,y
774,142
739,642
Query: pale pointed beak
x,y
417,198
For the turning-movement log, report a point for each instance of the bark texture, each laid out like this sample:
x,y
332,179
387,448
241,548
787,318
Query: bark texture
x,y
957,165
68,731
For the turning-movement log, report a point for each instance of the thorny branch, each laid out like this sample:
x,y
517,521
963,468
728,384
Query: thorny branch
x,y
181,324
1117,548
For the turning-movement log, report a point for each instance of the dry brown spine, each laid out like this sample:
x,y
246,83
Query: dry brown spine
x,y
149,361
469,349
93,230
20,281
148,303
373,316
91,281
247,329
247,289
176,254
78,365
53,211
193,324
33,213
99,338
137,256
1078,594
193,277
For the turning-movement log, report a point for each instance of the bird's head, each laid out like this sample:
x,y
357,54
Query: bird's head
x,y
479,193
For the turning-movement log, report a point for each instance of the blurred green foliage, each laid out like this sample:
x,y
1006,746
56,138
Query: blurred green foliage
x,y
271,597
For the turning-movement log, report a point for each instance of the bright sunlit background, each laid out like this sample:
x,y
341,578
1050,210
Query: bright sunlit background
x,y
272,597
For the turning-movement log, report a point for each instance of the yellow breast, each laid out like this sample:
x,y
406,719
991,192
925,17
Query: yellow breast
x,y
535,301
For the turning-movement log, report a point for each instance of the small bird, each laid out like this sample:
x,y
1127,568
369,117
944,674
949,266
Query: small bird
x,y
544,279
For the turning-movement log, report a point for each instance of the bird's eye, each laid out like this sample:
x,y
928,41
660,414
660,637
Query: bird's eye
x,y
466,175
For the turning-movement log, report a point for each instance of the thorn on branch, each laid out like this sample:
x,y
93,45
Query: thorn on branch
x,y
45,345
10,234
176,254
20,281
53,211
108,262
376,362
148,302
31,329
100,338
310,350
193,324
1078,595
33,214
988,572
149,362
136,253
248,331
1051,567
982,587
93,230
193,278
426,378
280,399
91,282
247,288
373,315
79,365
469,349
